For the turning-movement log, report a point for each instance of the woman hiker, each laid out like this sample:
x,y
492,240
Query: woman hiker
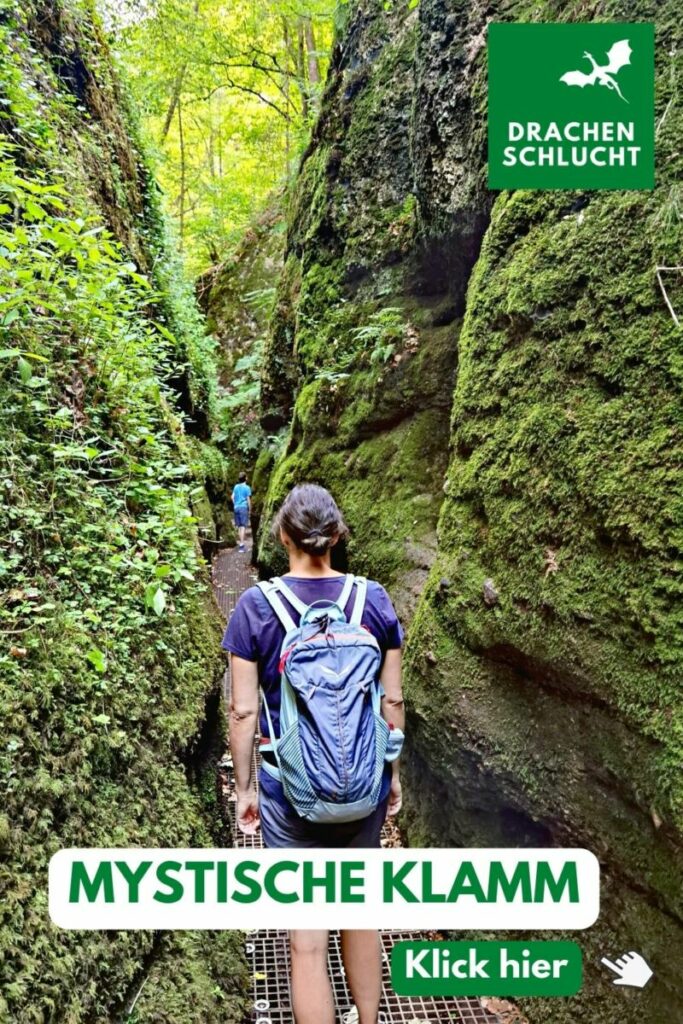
x,y
241,503
309,524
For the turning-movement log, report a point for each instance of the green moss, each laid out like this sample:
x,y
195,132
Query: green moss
x,y
536,495
310,203
195,978
532,701
391,512
111,664
278,374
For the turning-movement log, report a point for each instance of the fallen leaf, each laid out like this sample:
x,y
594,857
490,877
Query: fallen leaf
x,y
550,561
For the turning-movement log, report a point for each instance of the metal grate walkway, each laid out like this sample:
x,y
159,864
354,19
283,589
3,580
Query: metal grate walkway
x,y
268,951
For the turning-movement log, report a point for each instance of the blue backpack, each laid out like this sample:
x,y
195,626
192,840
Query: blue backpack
x,y
333,742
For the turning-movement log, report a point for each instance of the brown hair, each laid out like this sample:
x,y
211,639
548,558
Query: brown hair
x,y
310,516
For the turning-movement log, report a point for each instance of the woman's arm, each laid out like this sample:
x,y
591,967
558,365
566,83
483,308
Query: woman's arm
x,y
393,712
244,702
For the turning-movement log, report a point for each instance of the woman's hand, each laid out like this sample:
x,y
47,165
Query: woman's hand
x,y
395,796
248,819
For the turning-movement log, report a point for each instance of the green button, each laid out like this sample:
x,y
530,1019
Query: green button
x,y
486,968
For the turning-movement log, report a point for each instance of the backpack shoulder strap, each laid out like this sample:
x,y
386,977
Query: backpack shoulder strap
x,y
345,592
269,591
287,592
359,603
272,589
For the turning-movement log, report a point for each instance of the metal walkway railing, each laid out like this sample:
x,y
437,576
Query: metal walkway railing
x,y
267,951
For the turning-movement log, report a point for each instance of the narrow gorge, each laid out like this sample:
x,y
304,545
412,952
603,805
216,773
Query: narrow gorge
x,y
490,385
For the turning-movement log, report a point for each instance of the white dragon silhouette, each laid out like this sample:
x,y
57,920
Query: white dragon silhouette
x,y
617,57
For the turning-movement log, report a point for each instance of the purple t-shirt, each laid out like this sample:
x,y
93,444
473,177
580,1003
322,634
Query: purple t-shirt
x,y
254,632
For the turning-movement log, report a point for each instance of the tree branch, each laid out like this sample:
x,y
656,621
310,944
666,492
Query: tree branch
x,y
230,83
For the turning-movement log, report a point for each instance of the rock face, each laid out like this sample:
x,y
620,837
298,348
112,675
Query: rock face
x,y
363,347
529,338
237,297
109,666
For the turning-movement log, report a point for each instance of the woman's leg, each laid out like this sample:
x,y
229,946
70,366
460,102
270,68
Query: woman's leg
x,y
312,1000
362,958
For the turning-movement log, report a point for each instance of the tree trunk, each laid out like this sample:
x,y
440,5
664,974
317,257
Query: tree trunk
x,y
173,103
181,203
177,88
301,67
313,62
286,40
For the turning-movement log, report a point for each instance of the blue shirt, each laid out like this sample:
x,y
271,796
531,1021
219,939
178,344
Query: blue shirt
x,y
240,495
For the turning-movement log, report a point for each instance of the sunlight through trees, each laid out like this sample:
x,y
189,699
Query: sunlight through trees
x,y
227,93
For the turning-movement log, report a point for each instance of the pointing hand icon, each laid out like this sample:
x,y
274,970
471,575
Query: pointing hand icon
x,y
631,969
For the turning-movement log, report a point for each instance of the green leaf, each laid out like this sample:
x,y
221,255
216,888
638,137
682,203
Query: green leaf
x,y
34,211
97,659
166,333
25,371
102,719
159,601
162,570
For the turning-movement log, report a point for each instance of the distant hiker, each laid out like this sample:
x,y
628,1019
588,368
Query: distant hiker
x,y
241,503
329,767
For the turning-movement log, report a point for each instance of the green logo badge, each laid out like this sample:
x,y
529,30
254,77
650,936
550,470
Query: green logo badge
x,y
486,968
571,106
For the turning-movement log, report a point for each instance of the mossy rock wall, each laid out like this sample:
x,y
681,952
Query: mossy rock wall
x,y
109,665
362,352
543,667
237,297
234,294
544,662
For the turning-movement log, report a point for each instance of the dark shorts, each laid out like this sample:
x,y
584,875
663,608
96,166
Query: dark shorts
x,y
241,516
282,828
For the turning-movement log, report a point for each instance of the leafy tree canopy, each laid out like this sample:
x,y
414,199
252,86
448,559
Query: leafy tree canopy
x,y
227,92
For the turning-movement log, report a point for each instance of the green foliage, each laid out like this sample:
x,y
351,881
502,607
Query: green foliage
x,y
195,347
239,430
244,386
228,94
382,333
108,639
196,978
